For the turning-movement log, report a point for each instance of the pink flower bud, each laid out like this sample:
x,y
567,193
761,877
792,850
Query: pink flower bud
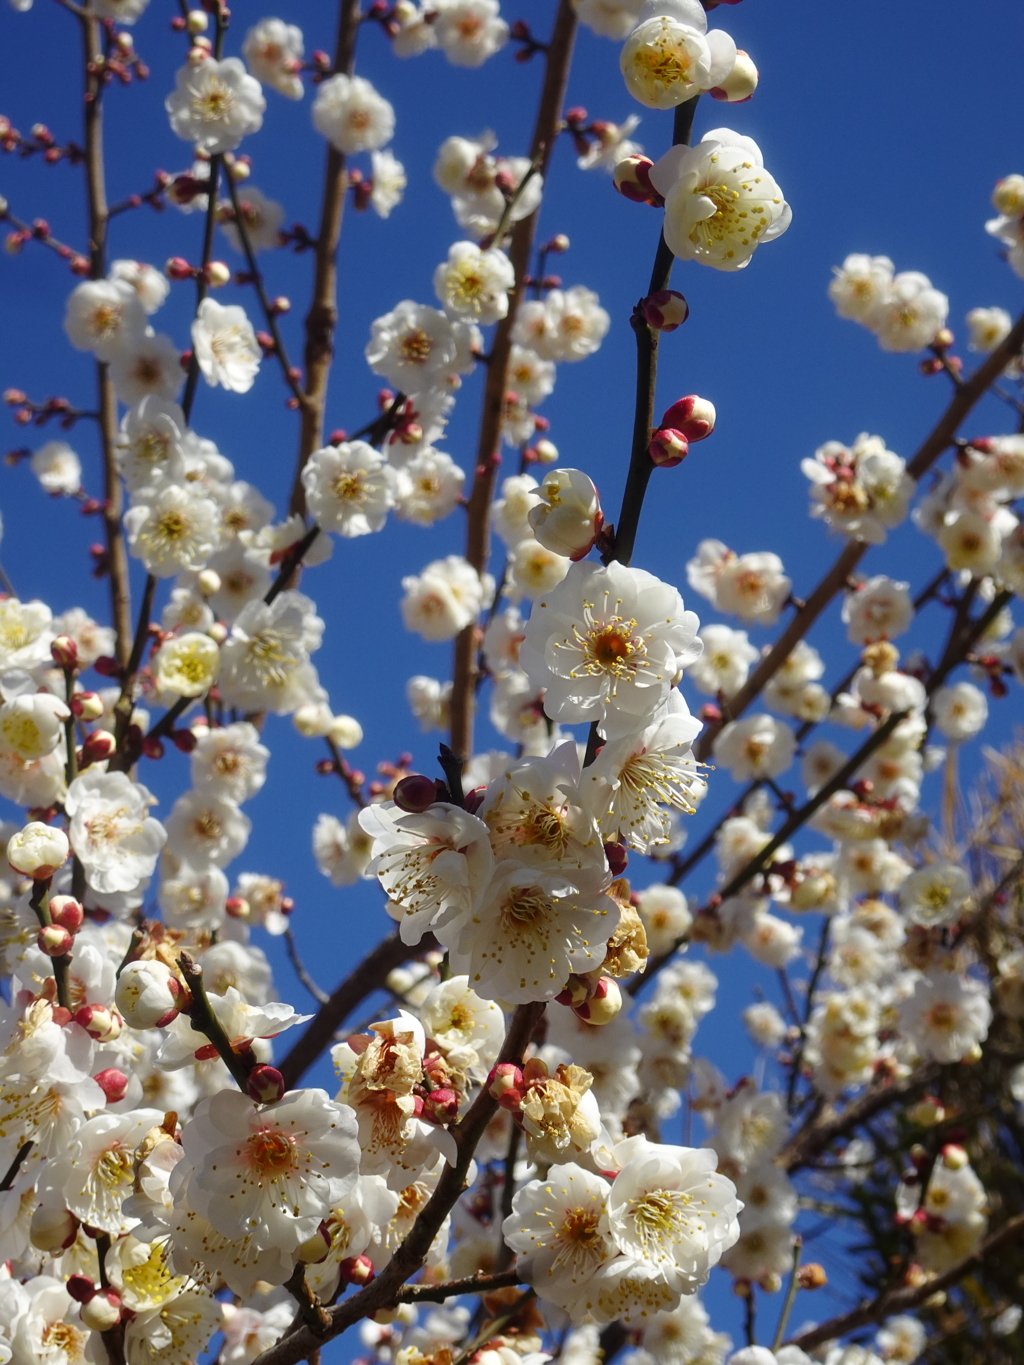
x,y
177,268
668,447
87,705
265,1085
53,1231
441,1106
184,740
80,1287
693,416
415,793
665,310
505,1084
238,907
618,858
632,179
102,1311
740,83
954,1157
99,1022
55,941
113,1083
356,1270
576,990
603,1005
99,745
64,652
67,912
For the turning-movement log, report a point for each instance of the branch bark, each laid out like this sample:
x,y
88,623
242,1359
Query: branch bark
x,y
488,460
322,317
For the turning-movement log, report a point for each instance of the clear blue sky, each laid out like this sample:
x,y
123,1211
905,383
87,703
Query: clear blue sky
x,y
886,126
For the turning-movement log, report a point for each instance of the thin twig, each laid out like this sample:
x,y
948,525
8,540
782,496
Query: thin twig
x,y
299,968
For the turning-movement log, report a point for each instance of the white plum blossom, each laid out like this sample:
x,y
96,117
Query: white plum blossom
x,y
57,467
863,490
261,217
415,346
750,586
215,104
960,711
105,317
879,609
172,527
913,312
861,285
725,663
265,661
670,57
115,838
474,285
273,51
757,747
388,182
349,488
445,598
935,894
469,31
567,325
946,1016
350,113
149,368
225,345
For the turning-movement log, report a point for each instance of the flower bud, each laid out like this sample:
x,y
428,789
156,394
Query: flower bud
x,y
505,1084
87,705
99,1022
102,1311
415,793
199,52
346,732
569,517
632,179
218,632
1008,196
98,746
177,268
218,274
693,416
80,1287
603,1005
238,907
618,858
316,1248
208,582
812,1276
265,1085
575,991
197,21
38,850
113,1083
441,1106
52,1230
740,83
926,1113
356,1270
954,1157
67,912
668,448
146,992
64,651
665,310
545,451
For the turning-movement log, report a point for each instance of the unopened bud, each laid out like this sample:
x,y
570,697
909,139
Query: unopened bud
x,y
217,274
1008,196
575,991
346,732
99,745
943,339
603,1005
545,451
316,1248
99,1022
415,793
177,268
38,850
196,21
928,1112
558,244
53,1230
102,1311
80,1287
113,1083
693,416
64,652
265,1085
218,632
54,941
740,83
67,912
505,1084
569,517
811,1276
665,310
441,1106
199,52
668,448
87,705
356,1270
954,1157
238,907
632,179
618,858
280,305
208,582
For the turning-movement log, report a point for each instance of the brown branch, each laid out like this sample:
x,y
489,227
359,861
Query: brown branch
x,y
369,976
299,968
938,440
488,459
106,403
202,281
322,317
471,1284
410,1256
204,1021
11,1174
901,1300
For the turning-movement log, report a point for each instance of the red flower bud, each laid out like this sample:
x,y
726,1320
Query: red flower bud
x,y
618,858
54,941
67,912
441,1106
356,1270
64,651
665,310
415,793
668,448
80,1287
694,417
113,1083
505,1084
265,1085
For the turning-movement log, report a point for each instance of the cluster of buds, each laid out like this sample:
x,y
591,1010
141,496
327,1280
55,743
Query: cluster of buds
x,y
39,142
39,231
25,411
101,1308
689,419
941,359
57,938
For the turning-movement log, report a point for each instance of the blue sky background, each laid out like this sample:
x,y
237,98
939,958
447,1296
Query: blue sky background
x,y
886,126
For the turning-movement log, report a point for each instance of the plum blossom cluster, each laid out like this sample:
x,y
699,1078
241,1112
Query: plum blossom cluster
x,y
514,1125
